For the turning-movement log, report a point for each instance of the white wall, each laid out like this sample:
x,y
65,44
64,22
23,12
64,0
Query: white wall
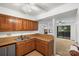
x,y
16,33
52,24
68,21
62,9
45,22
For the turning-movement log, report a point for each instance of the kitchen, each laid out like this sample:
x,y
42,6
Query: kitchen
x,y
30,29
14,43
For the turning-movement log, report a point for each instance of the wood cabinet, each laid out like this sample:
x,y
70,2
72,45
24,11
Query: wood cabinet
x,y
25,25
18,24
5,24
30,25
20,48
24,47
42,47
30,45
35,26
10,23
46,48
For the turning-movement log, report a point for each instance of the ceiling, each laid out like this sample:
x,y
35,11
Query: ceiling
x,y
67,14
31,9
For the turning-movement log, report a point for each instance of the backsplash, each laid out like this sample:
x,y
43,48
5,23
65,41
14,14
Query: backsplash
x,y
16,33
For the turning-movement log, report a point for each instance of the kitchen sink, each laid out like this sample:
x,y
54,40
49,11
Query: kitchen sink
x,y
22,38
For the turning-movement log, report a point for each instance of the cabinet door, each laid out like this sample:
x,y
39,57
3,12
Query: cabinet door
x,y
11,23
29,25
6,23
42,47
3,51
3,23
18,24
35,25
24,25
11,50
20,48
30,45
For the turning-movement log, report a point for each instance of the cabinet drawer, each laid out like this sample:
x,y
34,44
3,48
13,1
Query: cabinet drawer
x,y
42,48
30,45
20,50
42,42
22,43
25,47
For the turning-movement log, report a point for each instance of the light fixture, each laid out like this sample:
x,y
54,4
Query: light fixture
x,y
28,7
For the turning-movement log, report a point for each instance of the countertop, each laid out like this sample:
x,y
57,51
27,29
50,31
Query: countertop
x,y
7,40
44,37
10,40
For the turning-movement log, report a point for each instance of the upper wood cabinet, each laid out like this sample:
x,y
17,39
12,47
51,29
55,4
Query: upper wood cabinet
x,y
35,26
6,23
18,24
10,23
25,26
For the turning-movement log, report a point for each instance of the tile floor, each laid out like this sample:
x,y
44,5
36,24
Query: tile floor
x,y
34,53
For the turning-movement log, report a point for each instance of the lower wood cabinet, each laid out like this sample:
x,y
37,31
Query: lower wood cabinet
x,y
42,47
24,47
46,48
8,50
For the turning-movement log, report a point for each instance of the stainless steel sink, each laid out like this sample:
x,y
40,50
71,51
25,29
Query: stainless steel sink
x,y
22,38
19,39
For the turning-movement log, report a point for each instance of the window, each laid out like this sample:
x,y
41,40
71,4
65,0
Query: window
x,y
63,32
